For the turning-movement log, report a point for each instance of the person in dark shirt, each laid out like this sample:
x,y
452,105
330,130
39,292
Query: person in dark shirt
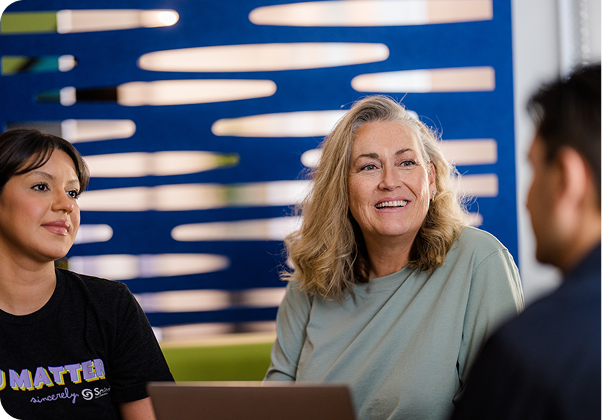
x,y
545,363
71,346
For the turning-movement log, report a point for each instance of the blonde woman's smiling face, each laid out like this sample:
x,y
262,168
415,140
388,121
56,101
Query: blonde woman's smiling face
x,y
390,182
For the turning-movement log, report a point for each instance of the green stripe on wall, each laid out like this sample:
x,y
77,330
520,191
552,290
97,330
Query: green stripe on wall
x,y
28,23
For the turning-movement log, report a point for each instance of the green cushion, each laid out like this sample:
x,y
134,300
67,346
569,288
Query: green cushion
x,y
240,362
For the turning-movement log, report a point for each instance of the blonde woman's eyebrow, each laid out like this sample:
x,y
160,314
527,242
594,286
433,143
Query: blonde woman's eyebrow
x,y
376,156
368,155
402,151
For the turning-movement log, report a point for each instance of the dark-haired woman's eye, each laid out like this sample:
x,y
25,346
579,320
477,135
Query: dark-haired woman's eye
x,y
40,187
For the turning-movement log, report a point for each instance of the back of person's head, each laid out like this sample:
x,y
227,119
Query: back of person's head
x,y
567,114
24,150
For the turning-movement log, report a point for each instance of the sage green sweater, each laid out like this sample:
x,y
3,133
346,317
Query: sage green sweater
x,y
404,342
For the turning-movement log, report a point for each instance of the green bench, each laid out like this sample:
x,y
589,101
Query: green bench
x,y
218,362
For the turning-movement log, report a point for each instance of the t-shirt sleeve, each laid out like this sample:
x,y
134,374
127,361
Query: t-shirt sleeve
x,y
291,323
495,295
137,358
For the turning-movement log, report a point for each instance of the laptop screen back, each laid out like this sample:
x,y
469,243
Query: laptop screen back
x,y
250,401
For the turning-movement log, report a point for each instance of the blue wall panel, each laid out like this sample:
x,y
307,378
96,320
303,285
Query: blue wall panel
x,y
109,59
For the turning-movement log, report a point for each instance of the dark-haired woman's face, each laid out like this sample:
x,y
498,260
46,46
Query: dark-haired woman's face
x,y
39,214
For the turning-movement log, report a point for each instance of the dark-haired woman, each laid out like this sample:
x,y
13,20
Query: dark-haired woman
x,y
71,346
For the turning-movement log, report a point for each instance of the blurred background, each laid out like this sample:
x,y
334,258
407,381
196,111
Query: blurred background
x,y
200,119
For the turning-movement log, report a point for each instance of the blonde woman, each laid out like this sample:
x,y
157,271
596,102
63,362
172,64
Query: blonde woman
x,y
391,293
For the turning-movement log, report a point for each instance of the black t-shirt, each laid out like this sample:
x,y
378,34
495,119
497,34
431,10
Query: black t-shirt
x,y
88,349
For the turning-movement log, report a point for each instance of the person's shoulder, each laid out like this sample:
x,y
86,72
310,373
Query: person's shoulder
x,y
478,242
297,295
556,322
95,285
295,288
518,344
476,237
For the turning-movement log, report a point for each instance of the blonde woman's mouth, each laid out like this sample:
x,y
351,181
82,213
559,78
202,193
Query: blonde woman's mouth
x,y
394,203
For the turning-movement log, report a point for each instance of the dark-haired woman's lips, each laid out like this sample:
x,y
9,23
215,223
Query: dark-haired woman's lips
x,y
58,227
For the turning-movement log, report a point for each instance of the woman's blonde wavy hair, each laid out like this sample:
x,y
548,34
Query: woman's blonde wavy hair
x,y
328,251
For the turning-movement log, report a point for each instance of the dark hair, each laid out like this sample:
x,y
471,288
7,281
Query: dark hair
x,y
567,113
24,150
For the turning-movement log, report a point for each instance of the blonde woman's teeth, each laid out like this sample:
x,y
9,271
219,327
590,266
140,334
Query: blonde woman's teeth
x,y
396,203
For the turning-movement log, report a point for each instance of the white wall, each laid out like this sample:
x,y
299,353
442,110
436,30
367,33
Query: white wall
x,y
536,52
540,54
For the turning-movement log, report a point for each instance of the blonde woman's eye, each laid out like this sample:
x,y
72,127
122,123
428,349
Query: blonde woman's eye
x,y
368,167
408,163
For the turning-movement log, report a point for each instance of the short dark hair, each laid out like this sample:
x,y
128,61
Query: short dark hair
x,y
567,114
23,150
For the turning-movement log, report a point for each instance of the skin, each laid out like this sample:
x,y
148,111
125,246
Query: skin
x,y
39,219
138,410
564,207
386,166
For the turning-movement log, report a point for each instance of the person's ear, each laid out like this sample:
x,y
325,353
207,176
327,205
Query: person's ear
x,y
574,177
432,173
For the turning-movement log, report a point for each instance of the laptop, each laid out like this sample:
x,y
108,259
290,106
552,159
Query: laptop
x,y
250,401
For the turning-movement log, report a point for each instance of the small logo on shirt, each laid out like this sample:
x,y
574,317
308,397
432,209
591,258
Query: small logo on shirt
x,y
89,394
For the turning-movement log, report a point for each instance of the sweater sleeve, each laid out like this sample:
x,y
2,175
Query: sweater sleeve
x,y
495,295
291,323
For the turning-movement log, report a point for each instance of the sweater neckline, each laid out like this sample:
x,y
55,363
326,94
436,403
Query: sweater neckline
x,y
386,282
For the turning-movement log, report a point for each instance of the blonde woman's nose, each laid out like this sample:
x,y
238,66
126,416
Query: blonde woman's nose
x,y
389,178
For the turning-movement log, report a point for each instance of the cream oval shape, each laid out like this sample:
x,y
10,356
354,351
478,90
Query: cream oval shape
x,y
165,92
373,13
209,299
284,124
481,185
126,267
460,79
263,57
182,92
93,233
274,229
181,197
77,131
470,152
94,20
159,163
